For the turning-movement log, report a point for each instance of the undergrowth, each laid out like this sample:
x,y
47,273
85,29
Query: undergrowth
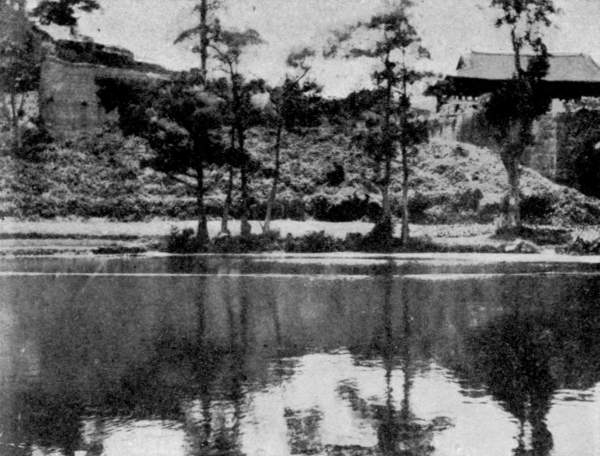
x,y
185,241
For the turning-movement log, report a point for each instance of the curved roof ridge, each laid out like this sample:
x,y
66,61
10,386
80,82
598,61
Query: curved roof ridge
x,y
575,67
551,54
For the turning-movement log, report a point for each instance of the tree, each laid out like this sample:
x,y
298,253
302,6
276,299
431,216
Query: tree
x,y
20,52
290,107
228,46
392,123
63,12
512,109
19,65
205,31
181,123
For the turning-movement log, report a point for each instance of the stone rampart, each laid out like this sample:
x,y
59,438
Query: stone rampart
x,y
69,105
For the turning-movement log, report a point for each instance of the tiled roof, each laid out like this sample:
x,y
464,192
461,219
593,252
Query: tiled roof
x,y
563,67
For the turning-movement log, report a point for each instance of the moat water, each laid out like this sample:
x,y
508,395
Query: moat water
x,y
174,356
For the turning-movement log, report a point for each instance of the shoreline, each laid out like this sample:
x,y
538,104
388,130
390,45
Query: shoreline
x,y
98,236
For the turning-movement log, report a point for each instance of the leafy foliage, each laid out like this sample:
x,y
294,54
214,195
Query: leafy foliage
x,y
242,112
178,119
512,109
579,151
19,65
390,126
62,12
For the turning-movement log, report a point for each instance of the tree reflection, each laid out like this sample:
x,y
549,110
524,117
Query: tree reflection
x,y
511,356
222,394
523,357
399,432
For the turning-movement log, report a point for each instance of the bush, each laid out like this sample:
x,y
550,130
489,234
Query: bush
x,y
537,208
347,210
336,176
582,247
380,238
184,241
253,243
467,200
119,250
315,242
418,205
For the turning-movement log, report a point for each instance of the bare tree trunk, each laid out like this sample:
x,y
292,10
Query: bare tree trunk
x,y
385,225
513,210
386,204
405,227
15,127
202,234
403,118
273,194
229,195
245,228
513,150
227,206
517,52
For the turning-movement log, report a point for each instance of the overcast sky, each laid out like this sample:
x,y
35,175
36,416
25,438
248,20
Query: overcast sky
x,y
449,28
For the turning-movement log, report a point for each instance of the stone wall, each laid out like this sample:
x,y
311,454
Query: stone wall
x,y
463,122
69,105
542,155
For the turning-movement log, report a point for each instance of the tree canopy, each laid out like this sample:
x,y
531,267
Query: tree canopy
x,y
511,110
180,121
62,12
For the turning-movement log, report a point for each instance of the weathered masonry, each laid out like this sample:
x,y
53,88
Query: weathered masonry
x,y
570,77
68,102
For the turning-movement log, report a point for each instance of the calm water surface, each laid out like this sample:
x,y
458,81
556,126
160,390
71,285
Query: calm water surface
x,y
298,356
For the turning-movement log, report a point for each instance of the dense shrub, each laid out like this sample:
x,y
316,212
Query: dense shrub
x,y
418,205
327,208
581,246
537,208
119,250
253,243
335,176
489,212
183,241
578,213
316,242
467,200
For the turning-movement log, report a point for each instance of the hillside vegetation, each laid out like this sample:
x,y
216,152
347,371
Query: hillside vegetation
x,y
323,177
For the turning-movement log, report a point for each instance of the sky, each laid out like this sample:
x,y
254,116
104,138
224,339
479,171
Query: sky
x,y
449,28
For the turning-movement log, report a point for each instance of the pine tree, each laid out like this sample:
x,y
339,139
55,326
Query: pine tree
x,y
180,121
291,108
392,125
512,109
228,47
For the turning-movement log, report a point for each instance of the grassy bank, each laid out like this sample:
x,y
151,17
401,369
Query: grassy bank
x,y
100,235
324,177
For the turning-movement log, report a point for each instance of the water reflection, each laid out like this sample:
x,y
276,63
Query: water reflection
x,y
524,356
237,364
399,432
